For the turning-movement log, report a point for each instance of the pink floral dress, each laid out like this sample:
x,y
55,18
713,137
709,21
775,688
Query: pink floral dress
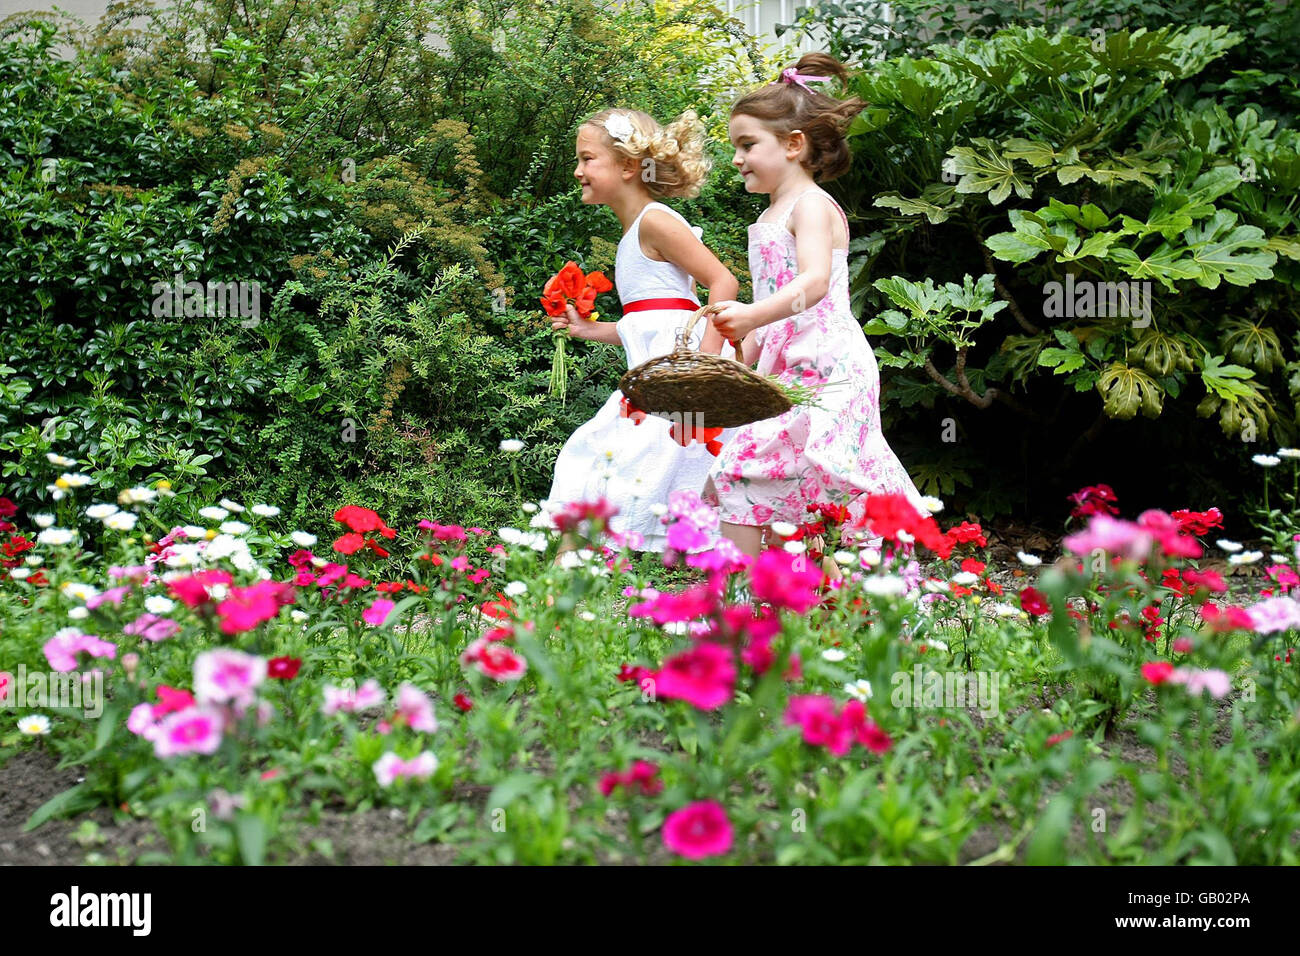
x,y
773,469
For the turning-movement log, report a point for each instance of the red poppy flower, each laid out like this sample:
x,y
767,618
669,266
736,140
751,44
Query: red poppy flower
x,y
1033,602
463,703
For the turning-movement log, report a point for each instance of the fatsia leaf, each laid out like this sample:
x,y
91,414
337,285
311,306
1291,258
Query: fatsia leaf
x,y
1226,381
984,170
1126,391
916,207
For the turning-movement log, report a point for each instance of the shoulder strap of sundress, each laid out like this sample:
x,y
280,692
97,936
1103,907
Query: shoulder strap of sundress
x,y
827,196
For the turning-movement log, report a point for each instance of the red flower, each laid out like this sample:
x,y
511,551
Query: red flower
x,y
972,566
627,672
887,515
362,520
16,546
1224,619
966,533
7,508
1198,522
597,512
463,703
389,587
1094,499
349,543
283,668
642,776
1157,672
1055,739
193,590
1033,602
499,609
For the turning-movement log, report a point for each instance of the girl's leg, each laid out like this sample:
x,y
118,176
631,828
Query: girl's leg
x,y
748,538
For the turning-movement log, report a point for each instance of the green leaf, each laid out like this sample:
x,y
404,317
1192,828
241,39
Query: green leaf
x,y
513,786
983,170
1226,381
1126,391
1047,845
250,834
70,802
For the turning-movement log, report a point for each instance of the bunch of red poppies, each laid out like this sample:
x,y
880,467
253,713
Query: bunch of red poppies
x,y
570,287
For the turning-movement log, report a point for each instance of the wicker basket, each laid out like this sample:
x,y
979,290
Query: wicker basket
x,y
716,392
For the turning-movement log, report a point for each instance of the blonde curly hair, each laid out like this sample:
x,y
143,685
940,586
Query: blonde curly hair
x,y
672,157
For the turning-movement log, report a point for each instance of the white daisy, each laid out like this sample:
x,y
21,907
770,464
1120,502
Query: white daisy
x,y
101,511
231,505
870,557
1006,610
34,725
157,604
1268,461
266,511
540,520
965,578
931,504
861,689
233,527
845,557
43,520
795,547
122,521
511,446
77,591
587,616
78,614
74,480
194,531
516,588
59,460
529,507
833,654
905,537
1227,545
19,574
299,616
55,536
659,509
936,587
1246,557
1029,560
1288,453
885,585
784,528
570,560
55,492
510,535
1280,558
213,513
34,561
139,495
302,539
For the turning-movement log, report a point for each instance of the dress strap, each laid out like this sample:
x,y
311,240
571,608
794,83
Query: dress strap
x,y
827,196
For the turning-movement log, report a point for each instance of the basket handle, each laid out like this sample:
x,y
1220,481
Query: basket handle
x,y
684,337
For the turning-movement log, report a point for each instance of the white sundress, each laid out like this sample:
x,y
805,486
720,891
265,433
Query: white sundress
x,y
637,466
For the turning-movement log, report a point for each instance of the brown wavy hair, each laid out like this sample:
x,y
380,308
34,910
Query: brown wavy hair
x,y
785,107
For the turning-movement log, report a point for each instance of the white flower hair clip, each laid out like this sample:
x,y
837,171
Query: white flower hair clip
x,y
619,126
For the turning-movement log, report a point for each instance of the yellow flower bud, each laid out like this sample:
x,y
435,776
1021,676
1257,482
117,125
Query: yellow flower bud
x,y
61,483
976,599
593,317
212,533
162,483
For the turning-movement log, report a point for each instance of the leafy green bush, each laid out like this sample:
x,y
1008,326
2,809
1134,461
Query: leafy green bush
x,y
1103,160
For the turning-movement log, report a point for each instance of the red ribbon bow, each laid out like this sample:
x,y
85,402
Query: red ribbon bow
x,y
627,410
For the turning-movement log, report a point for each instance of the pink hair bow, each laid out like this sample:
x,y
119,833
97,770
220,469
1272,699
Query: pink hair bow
x,y
791,75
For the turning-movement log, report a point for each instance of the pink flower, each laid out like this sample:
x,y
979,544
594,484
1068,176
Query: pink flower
x,y
152,628
1182,645
1112,535
786,580
821,725
688,605
496,659
698,830
642,776
115,595
193,590
227,676
196,730
391,767
1216,682
248,607
378,612
704,676
62,649
1169,532
416,709
350,700
141,721
1273,615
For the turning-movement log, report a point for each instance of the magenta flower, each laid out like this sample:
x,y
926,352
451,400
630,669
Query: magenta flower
x,y
196,730
416,709
378,612
496,659
227,676
350,700
245,608
704,676
685,606
786,580
114,595
816,716
698,830
1112,535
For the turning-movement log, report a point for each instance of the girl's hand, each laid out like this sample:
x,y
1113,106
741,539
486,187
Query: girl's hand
x,y
734,320
576,325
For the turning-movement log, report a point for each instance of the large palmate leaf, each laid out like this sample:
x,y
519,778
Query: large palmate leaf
x,y
1223,249
936,203
1140,51
1126,391
1255,345
1226,381
1166,263
1161,353
984,170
